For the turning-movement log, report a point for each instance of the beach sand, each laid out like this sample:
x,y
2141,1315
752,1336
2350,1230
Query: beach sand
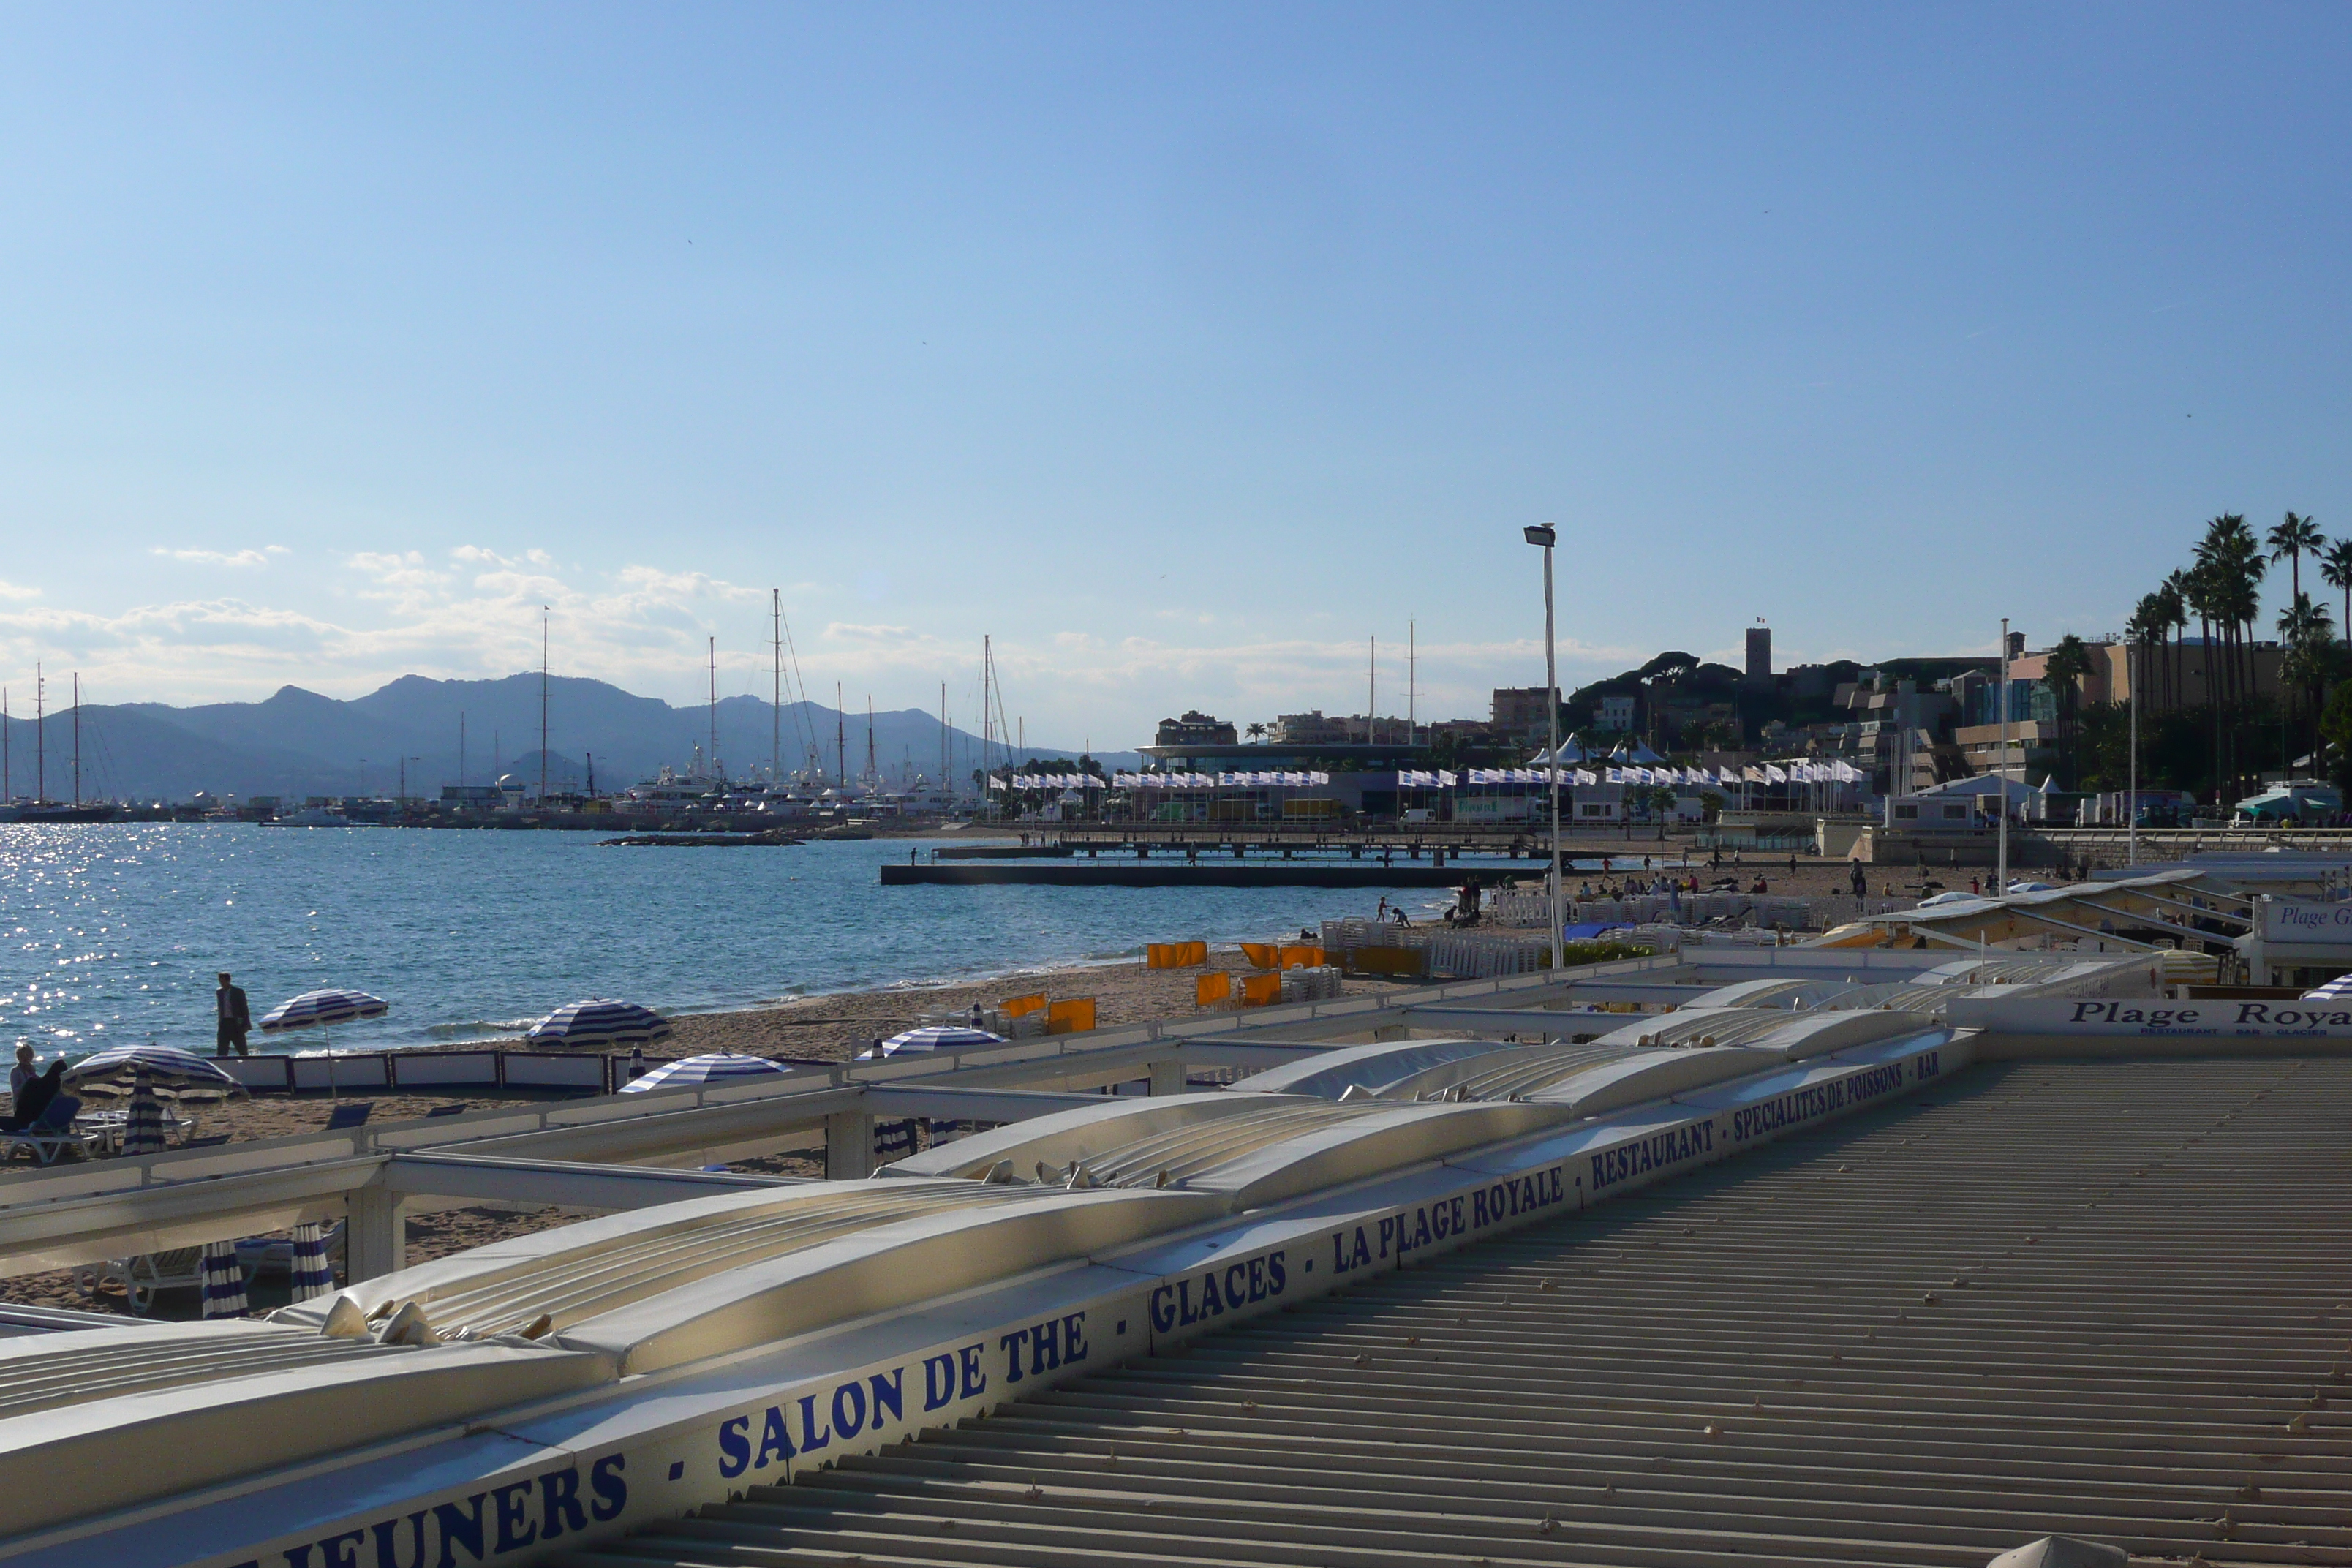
x,y
818,1028
836,1027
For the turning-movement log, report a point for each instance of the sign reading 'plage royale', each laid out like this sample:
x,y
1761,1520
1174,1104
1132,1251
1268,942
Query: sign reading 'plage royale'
x,y
2306,921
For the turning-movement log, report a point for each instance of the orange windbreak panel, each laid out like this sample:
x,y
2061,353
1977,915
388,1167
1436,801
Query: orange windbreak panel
x,y
1211,988
1015,1006
1071,1017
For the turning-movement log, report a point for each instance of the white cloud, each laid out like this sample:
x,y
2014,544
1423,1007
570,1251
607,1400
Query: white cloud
x,y
216,558
650,582
17,591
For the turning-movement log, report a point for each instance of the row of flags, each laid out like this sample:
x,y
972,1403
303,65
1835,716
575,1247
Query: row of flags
x,y
1158,781
1414,778
1766,773
1222,781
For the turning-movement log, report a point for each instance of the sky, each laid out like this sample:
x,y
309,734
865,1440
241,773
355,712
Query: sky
x,y
1181,350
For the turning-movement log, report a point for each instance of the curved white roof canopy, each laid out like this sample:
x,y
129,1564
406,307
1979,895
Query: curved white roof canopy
x,y
1376,1066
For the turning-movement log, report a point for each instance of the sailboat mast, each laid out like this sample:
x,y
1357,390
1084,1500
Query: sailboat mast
x,y
1411,678
840,741
76,734
1373,698
542,704
776,702
873,778
40,734
944,733
714,706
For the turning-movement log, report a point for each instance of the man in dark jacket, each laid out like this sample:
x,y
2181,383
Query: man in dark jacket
x,y
234,1018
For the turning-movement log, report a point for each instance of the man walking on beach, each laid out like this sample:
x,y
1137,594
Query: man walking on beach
x,y
234,1018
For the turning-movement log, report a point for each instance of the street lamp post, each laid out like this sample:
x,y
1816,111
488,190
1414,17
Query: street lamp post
x,y
2131,800
1543,535
2003,774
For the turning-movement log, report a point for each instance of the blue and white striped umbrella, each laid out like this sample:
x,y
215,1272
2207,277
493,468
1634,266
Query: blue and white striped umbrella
x,y
598,1025
311,1275
143,1131
896,1140
318,1007
224,1280
167,1069
692,1072
2336,990
938,1037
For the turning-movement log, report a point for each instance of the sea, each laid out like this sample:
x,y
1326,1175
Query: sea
x,y
114,932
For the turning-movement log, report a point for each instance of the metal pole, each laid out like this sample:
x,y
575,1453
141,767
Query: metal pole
x,y
2001,880
1545,536
2131,803
776,696
1551,715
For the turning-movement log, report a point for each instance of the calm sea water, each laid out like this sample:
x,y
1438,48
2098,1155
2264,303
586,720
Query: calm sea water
x,y
114,933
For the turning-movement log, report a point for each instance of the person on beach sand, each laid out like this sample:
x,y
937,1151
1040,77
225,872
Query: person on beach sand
x,y
235,1017
26,1070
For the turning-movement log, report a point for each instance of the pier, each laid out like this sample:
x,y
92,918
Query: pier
x,y
1204,873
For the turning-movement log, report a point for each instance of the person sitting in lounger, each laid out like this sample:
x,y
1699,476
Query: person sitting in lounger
x,y
34,1099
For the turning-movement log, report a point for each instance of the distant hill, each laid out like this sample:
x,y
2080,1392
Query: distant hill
x,y
298,742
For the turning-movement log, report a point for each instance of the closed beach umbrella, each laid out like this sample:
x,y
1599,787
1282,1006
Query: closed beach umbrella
x,y
224,1280
166,1068
311,1275
938,1037
599,1024
142,1133
694,1072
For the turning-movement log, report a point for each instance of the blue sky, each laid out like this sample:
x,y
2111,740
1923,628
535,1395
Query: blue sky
x,y
1181,349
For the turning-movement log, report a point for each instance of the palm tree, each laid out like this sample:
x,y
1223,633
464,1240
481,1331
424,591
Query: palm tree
x,y
2175,594
2232,561
2062,672
1255,731
2292,539
2146,633
2335,569
2308,634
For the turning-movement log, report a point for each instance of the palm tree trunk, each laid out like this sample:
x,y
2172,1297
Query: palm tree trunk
x,y
2213,696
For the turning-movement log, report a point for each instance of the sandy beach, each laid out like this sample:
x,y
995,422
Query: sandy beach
x,y
836,1027
818,1028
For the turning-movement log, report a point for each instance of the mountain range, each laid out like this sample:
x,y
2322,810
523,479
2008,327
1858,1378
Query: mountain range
x,y
298,742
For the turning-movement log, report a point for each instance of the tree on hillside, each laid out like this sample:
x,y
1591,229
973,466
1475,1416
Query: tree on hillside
x,y
1672,662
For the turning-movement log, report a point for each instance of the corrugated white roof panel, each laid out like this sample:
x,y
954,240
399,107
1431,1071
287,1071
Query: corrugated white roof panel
x,y
2112,1300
